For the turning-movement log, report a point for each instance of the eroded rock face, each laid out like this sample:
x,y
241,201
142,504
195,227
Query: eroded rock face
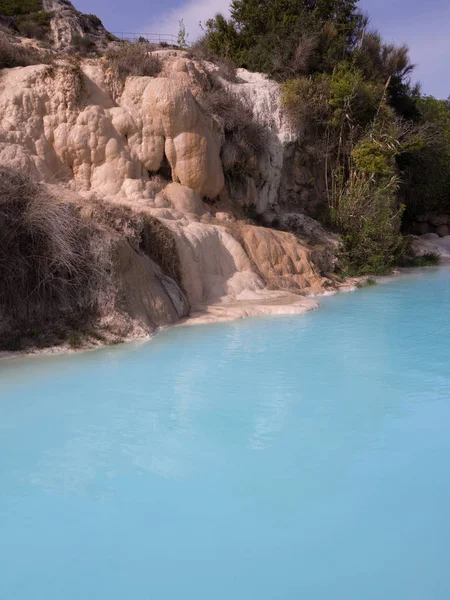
x,y
432,242
57,121
288,177
62,125
67,22
150,298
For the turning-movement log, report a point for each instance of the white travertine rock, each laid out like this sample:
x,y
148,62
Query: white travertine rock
x,y
264,96
106,148
431,242
184,199
48,131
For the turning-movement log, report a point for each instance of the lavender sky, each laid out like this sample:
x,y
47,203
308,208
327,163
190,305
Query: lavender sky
x,y
423,25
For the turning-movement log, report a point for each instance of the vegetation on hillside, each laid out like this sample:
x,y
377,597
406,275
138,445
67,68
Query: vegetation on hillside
x,y
133,59
53,265
27,17
384,148
14,8
17,55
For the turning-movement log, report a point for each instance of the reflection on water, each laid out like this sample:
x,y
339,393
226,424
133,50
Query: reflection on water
x,y
245,456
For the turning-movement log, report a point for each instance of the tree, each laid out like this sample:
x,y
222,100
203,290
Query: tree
x,y
182,35
264,35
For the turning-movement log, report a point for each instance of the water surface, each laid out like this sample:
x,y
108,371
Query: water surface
x,y
283,458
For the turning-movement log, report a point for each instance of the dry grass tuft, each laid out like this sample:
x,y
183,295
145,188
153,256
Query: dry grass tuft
x,y
17,55
142,231
53,265
244,138
133,60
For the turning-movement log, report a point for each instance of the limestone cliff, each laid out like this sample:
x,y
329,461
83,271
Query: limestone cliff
x,y
148,146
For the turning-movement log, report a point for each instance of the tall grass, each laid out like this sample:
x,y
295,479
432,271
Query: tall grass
x,y
53,265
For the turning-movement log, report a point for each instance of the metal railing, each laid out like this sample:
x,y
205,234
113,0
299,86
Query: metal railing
x,y
153,38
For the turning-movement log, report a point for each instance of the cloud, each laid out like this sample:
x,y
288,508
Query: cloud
x,y
192,13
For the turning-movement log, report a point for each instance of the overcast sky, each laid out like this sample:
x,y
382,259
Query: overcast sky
x,y
423,25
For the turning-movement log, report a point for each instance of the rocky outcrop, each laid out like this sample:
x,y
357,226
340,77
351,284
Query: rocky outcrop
x,y
152,148
149,297
288,177
431,243
68,23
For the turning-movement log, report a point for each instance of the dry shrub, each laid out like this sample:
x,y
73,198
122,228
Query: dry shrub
x,y
244,138
53,266
83,44
134,59
226,69
142,231
16,55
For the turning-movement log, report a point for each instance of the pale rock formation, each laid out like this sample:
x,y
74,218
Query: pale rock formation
x,y
64,126
263,95
432,242
68,22
150,298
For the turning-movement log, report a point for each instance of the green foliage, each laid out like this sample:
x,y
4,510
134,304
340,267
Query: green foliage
x,y
182,39
83,44
427,163
354,96
34,25
429,259
266,36
369,217
307,99
372,157
13,8
94,20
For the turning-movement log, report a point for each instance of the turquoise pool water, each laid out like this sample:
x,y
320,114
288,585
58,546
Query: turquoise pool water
x,y
279,458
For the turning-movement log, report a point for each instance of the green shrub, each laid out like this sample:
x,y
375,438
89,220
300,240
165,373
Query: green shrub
x,y
306,100
369,218
427,167
429,259
13,8
34,25
266,36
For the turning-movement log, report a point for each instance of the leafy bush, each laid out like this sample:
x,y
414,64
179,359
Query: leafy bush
x,y
369,217
266,36
34,25
427,168
226,69
134,60
429,259
306,100
13,8
52,264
